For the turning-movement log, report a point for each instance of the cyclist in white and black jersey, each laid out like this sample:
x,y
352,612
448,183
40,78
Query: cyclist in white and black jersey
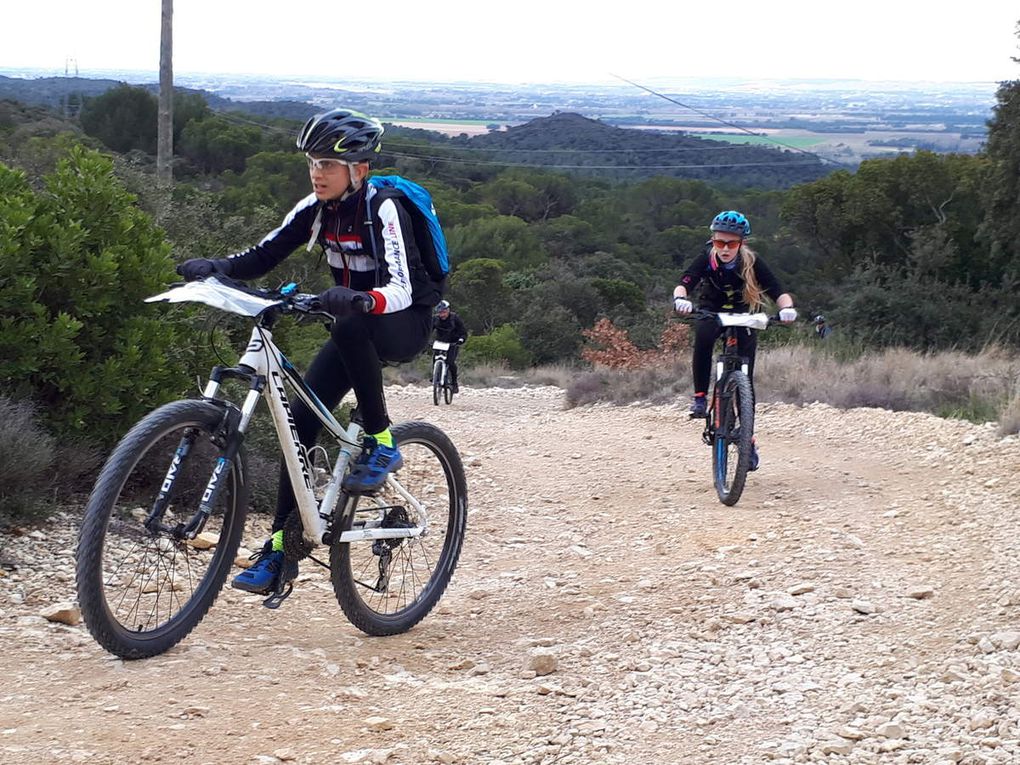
x,y
382,301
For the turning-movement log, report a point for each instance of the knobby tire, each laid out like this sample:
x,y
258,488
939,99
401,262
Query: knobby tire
x,y
437,381
142,592
420,568
734,433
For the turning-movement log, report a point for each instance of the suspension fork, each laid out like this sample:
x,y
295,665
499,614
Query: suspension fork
x,y
231,431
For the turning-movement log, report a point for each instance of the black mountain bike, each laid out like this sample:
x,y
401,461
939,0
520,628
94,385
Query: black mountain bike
x,y
729,424
166,515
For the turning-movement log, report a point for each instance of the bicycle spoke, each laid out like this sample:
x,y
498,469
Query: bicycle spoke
x,y
417,569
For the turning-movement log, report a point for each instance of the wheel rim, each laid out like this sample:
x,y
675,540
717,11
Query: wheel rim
x,y
148,579
413,565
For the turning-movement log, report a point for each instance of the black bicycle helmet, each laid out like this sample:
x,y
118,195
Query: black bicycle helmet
x,y
443,305
342,133
731,222
819,319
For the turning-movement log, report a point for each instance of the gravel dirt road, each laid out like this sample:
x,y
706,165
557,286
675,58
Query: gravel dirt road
x,y
859,605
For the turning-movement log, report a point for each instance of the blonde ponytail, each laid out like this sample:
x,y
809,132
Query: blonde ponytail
x,y
753,295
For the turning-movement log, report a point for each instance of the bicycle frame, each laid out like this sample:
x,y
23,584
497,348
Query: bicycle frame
x,y
728,361
440,351
269,364
269,373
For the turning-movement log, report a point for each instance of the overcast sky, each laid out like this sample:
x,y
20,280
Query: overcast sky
x,y
525,40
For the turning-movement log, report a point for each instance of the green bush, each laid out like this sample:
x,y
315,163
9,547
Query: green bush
x,y
502,344
76,337
123,118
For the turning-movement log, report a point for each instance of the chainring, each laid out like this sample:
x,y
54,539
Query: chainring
x,y
294,545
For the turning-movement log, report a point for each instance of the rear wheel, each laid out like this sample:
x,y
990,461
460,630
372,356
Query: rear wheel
x,y
143,587
386,586
733,436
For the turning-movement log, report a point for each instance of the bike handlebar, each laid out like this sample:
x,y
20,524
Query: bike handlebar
x,y
701,314
290,301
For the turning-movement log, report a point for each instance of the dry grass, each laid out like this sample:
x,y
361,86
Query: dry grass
x,y
492,375
1009,420
980,387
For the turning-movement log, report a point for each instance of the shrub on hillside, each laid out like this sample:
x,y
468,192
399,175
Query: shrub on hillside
x,y
502,344
76,337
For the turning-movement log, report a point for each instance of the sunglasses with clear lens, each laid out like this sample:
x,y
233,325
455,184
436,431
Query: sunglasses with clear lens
x,y
325,165
724,244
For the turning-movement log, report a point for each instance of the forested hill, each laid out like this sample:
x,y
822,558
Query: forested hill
x,y
564,140
579,143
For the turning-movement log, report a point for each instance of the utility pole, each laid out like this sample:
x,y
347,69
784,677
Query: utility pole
x,y
165,125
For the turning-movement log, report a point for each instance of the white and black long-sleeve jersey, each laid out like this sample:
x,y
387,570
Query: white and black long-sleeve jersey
x,y
391,271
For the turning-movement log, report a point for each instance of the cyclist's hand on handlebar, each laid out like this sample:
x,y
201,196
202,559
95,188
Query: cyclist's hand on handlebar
x,y
682,305
199,268
788,315
342,301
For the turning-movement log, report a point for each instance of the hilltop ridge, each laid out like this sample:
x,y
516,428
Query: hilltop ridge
x,y
591,143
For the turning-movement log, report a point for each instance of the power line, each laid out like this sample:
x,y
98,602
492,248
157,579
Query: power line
x,y
721,121
232,117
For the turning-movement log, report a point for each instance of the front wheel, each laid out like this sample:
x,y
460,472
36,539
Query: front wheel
x,y
437,381
733,436
387,586
143,585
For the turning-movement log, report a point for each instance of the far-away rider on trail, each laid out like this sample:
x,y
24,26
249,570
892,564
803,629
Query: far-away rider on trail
x,y
733,279
382,301
449,328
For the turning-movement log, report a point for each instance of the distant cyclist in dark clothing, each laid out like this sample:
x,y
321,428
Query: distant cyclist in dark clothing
x,y
733,279
382,302
822,328
449,328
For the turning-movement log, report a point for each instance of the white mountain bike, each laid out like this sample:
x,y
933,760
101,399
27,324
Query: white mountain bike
x,y
165,517
442,388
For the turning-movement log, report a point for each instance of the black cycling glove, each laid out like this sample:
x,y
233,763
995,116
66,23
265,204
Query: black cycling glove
x,y
341,301
199,268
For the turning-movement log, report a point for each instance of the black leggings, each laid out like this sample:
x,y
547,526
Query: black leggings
x,y
352,358
451,361
705,334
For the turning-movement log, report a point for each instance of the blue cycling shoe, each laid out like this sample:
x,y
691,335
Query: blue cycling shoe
x,y
373,465
699,407
270,571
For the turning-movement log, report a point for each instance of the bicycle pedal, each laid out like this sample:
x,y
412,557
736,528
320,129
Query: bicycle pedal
x,y
275,600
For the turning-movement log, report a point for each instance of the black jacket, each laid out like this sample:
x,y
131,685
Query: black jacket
x,y
450,330
722,289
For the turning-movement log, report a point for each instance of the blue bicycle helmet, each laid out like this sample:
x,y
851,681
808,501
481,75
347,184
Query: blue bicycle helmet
x,y
731,222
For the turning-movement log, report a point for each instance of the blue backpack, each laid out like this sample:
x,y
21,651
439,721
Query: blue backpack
x,y
428,233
